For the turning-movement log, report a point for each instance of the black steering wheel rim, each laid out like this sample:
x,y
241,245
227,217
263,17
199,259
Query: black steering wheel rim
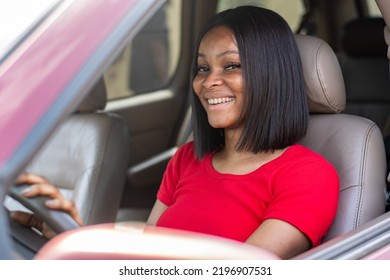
x,y
58,221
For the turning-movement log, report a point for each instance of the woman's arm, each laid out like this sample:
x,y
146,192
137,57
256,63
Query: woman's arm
x,y
280,238
156,212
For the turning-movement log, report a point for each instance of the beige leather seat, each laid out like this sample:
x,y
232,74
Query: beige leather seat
x,y
86,158
354,145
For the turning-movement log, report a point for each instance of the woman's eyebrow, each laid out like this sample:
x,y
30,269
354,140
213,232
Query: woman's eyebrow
x,y
227,53
220,54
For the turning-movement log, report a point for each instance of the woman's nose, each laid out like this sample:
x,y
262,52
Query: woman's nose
x,y
212,80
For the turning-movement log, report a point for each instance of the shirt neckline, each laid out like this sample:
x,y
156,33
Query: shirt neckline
x,y
214,173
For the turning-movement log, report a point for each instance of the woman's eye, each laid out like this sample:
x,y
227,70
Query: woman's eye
x,y
202,69
233,66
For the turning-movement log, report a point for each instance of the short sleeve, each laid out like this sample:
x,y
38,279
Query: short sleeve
x,y
306,196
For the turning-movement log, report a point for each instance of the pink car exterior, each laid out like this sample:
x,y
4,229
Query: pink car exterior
x,y
55,57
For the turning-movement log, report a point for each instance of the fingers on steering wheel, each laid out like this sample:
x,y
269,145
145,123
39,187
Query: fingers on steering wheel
x,y
43,189
29,178
27,219
40,186
56,201
65,205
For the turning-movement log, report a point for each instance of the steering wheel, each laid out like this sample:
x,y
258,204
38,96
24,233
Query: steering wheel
x,y
58,221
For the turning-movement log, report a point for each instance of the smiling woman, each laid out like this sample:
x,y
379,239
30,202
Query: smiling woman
x,y
244,177
219,64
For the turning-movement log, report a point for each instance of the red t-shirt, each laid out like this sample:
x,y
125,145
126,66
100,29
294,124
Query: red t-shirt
x,y
299,187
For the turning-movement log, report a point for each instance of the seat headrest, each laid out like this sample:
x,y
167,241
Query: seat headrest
x,y
95,100
364,37
324,81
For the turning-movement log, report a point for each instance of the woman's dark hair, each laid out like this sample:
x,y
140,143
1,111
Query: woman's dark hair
x,y
275,108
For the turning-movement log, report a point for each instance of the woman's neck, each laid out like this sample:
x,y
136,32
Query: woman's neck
x,y
232,138
229,160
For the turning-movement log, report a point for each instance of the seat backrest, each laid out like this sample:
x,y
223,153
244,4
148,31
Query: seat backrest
x,y
86,158
352,144
365,69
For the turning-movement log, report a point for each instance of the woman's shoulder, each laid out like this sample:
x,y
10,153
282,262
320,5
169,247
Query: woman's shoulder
x,y
184,159
185,152
304,158
186,149
301,152
300,157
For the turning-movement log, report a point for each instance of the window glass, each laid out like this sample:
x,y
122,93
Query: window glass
x,y
291,10
373,9
15,22
149,61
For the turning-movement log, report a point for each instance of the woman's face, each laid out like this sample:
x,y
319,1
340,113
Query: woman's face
x,y
218,82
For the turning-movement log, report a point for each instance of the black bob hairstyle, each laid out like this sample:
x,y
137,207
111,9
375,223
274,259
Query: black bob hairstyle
x,y
275,106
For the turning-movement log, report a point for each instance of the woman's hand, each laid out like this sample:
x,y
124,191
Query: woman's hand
x,y
40,186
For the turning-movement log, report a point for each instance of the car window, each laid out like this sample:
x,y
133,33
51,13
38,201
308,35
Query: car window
x,y
291,10
373,9
149,61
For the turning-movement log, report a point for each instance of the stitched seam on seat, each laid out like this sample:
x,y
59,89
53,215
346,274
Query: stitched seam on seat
x,y
319,74
362,175
98,166
115,124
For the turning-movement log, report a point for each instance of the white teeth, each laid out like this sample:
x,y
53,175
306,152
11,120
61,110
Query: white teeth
x,y
214,101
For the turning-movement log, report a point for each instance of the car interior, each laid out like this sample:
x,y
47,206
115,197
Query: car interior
x,y
109,156
363,64
331,134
